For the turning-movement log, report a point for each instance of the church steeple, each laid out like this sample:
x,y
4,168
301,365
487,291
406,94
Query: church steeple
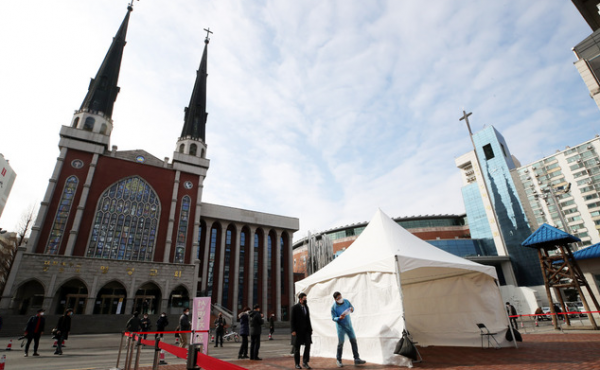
x,y
193,136
103,89
194,125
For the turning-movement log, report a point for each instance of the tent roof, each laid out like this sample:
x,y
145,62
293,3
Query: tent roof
x,y
547,234
376,248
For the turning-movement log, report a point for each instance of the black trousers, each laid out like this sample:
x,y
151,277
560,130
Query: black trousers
x,y
36,342
244,346
219,335
306,355
254,346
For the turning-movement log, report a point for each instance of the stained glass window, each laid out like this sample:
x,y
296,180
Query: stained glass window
x,y
125,222
184,220
242,269
228,240
211,262
62,214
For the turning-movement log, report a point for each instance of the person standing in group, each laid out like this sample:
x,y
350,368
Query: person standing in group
x,y
256,323
301,331
340,313
63,327
220,323
134,324
185,325
34,330
271,326
145,325
244,317
161,324
511,311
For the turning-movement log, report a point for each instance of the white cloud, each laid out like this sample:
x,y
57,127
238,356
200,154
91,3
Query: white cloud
x,y
319,110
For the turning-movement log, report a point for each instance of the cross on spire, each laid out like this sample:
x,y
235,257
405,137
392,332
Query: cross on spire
x,y
130,5
466,118
208,32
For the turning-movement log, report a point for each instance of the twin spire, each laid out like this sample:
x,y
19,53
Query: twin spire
x,y
103,89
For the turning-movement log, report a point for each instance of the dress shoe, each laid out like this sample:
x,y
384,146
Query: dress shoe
x,y
358,361
36,354
245,357
306,365
258,359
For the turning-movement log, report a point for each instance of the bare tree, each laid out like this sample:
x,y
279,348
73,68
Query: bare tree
x,y
8,247
26,224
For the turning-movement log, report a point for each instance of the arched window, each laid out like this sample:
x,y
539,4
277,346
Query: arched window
x,y
75,122
193,149
126,221
202,153
181,148
103,129
184,219
62,214
89,124
226,268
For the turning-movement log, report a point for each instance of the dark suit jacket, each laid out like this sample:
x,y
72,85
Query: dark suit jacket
x,y
32,323
300,323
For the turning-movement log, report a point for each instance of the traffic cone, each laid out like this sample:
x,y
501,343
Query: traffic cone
x,y
176,341
212,338
55,344
161,358
270,337
522,324
536,323
2,361
9,346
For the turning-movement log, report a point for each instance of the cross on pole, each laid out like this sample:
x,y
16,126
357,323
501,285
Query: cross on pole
x,y
208,32
130,5
466,118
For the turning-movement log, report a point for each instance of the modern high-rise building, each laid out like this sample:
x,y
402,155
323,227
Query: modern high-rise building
x,y
588,50
563,190
494,210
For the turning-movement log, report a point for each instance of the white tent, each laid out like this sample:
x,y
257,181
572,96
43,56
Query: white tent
x,y
388,272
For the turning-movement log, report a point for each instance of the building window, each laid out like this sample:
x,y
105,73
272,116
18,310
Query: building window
x,y
75,122
488,151
211,262
240,297
193,149
89,124
126,221
103,129
62,214
184,217
226,265
181,148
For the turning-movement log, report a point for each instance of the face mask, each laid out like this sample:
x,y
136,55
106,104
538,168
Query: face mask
x,y
340,301
41,314
186,313
70,313
162,315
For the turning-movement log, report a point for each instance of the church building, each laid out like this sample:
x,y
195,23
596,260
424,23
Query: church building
x,y
119,231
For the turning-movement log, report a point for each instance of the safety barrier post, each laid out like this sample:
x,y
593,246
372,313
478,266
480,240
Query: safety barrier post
x,y
156,353
192,358
130,353
120,349
139,352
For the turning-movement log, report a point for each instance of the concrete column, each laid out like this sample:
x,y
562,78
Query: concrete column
x,y
264,262
219,282
194,282
206,251
43,212
81,207
169,236
236,270
91,300
290,273
250,285
131,297
48,294
277,275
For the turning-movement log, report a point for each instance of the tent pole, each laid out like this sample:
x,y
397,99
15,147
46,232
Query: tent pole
x,y
400,290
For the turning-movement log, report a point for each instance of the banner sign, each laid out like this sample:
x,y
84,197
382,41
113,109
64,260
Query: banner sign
x,y
201,321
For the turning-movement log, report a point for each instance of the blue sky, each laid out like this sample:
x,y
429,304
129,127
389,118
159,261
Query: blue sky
x,y
321,110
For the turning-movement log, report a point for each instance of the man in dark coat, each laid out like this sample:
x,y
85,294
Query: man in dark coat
x,y
220,323
256,323
161,324
301,331
62,330
185,325
134,324
34,330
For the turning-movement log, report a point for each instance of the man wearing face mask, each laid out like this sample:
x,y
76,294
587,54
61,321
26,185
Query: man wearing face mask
x,y
184,325
63,327
34,330
340,313
301,331
161,324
